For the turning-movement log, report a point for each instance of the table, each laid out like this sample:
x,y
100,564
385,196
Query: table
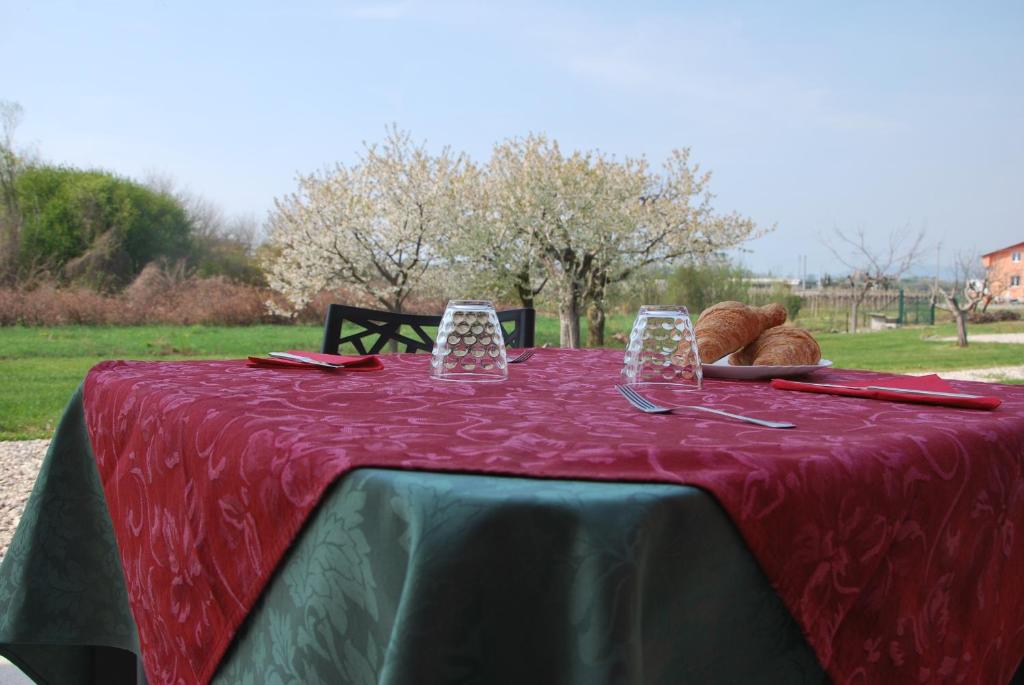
x,y
467,578
561,540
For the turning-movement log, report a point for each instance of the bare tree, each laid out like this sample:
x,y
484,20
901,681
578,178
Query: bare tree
x,y
872,267
209,221
970,288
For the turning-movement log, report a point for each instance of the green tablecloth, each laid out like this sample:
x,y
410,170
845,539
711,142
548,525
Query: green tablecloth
x,y
410,577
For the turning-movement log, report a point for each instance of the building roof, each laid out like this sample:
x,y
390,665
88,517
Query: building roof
x,y
1003,249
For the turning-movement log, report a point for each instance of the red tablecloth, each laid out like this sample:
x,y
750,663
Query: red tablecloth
x,y
889,530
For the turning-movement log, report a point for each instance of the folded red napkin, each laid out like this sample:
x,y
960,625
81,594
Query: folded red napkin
x,y
931,383
369,362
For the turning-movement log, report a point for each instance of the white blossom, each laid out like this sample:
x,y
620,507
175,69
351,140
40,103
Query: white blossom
x,y
373,227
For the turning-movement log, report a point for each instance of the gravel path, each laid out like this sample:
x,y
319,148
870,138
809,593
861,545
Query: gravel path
x,y
995,374
1017,338
19,466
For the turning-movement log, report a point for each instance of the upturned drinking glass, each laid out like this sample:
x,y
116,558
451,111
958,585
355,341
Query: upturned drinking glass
x,y
663,348
470,345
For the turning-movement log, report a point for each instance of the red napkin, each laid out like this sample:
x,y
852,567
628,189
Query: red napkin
x,y
368,362
931,382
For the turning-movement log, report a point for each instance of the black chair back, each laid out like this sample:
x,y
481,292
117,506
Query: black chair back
x,y
517,325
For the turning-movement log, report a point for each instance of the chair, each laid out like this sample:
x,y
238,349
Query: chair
x,y
516,324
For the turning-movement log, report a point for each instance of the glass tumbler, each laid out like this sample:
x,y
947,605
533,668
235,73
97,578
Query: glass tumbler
x,y
663,348
470,345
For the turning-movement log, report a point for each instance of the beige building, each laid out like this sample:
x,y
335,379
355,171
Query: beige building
x,y
1005,269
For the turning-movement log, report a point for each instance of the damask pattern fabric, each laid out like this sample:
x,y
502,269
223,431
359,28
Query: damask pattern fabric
x,y
405,577
887,529
62,593
440,578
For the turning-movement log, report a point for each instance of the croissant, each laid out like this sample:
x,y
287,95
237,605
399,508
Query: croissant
x,y
728,326
779,346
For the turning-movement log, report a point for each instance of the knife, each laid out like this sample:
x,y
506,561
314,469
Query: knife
x,y
936,393
305,360
908,391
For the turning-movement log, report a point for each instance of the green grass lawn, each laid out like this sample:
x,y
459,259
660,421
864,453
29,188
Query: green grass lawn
x,y
41,367
911,349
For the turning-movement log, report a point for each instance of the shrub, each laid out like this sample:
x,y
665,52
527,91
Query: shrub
x,y
792,303
66,213
780,293
196,301
49,306
227,256
213,301
164,294
698,286
993,316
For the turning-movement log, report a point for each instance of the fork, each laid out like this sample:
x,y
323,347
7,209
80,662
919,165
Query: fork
x,y
648,407
522,357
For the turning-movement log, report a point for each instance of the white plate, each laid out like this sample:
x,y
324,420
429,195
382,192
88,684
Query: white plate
x,y
723,369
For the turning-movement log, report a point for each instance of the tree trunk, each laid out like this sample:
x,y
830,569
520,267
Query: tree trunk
x,y
961,327
959,315
8,251
396,307
10,216
595,324
525,289
854,312
525,296
569,320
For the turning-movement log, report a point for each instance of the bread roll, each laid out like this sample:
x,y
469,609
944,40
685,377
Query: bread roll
x,y
728,326
779,346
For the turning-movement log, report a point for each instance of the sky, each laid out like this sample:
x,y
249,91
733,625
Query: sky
x,y
812,116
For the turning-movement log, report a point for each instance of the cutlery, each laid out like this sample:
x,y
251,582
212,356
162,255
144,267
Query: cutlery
x,y
908,391
523,356
305,360
648,407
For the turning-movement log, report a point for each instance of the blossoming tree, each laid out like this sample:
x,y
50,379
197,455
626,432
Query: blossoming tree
x,y
532,217
593,221
372,227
